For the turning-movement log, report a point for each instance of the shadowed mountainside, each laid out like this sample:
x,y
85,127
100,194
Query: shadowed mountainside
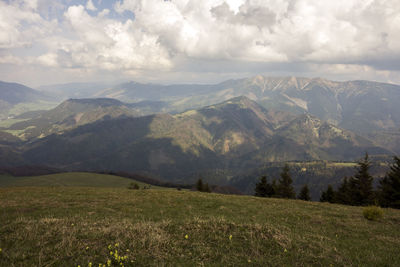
x,y
234,135
364,107
14,94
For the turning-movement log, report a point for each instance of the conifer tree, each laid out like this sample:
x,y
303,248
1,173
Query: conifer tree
x,y
199,185
304,193
361,184
261,189
390,186
274,188
285,188
328,195
342,196
271,189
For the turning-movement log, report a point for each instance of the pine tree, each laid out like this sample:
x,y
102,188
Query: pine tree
x,y
328,195
304,193
285,188
274,188
199,185
270,189
342,196
361,184
261,187
390,186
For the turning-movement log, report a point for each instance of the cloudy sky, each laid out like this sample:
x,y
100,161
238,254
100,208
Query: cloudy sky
x,y
201,41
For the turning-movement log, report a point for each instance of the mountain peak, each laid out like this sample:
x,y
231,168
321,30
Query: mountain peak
x,y
240,101
15,93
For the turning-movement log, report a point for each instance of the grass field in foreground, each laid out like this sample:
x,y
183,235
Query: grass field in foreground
x,y
81,179
71,226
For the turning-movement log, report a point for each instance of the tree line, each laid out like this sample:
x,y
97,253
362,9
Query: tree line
x,y
356,190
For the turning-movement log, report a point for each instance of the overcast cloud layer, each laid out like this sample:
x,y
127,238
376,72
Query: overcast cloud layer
x,y
45,41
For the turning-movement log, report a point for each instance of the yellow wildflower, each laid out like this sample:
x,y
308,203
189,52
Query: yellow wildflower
x,y
109,246
116,244
186,236
111,252
90,264
230,237
127,250
108,262
87,248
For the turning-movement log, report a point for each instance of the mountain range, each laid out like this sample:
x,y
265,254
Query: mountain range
x,y
182,132
236,134
372,105
367,108
13,95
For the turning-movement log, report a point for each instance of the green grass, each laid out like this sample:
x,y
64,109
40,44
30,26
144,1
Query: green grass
x,y
70,226
7,123
76,179
343,164
25,107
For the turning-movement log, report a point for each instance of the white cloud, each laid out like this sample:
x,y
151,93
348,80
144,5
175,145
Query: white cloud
x,y
49,59
90,6
21,25
340,31
208,36
110,44
10,59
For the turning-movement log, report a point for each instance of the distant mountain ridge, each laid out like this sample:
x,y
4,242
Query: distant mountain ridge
x,y
368,108
12,94
71,114
364,107
16,99
15,93
220,132
235,134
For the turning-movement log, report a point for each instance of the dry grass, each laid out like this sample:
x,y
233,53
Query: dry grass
x,y
74,179
75,226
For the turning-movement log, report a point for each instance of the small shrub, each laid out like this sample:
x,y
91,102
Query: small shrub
x,y
373,213
133,186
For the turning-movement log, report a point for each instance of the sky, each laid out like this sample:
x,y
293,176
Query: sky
x,y
197,41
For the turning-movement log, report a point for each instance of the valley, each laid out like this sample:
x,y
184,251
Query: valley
x,y
199,133
228,133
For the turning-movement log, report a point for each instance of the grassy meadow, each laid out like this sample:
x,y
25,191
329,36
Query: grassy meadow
x,y
83,226
74,179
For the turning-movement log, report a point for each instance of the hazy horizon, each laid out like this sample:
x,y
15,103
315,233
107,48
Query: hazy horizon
x,y
45,87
